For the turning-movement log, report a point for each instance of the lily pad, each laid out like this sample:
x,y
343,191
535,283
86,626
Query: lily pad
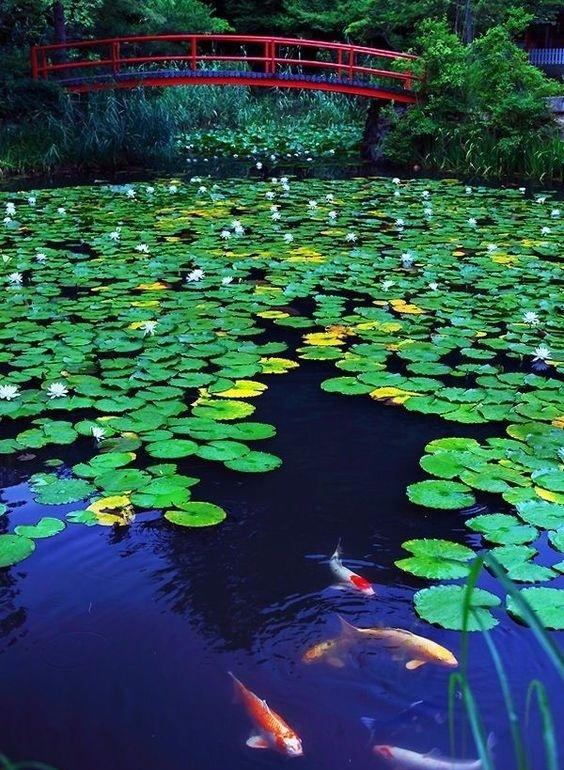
x,y
447,495
14,548
255,462
436,559
196,515
60,491
547,603
503,528
45,527
443,605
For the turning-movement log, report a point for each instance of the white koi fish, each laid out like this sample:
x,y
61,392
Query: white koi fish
x,y
347,578
413,760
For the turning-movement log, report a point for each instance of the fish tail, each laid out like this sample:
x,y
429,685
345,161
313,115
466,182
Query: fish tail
x,y
337,552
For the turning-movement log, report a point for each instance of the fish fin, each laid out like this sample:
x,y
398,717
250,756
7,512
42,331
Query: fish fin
x,y
238,687
348,631
257,741
337,553
411,665
338,587
435,753
336,662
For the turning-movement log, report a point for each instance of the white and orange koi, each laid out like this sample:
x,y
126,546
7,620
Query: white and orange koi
x,y
418,649
346,577
413,760
270,731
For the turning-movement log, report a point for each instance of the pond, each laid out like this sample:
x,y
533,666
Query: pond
x,y
275,366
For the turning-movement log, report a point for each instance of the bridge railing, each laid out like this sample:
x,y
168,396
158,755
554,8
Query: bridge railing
x,y
70,62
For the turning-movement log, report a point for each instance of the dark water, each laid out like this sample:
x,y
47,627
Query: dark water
x,y
115,645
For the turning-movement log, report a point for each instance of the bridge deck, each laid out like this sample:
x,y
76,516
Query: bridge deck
x,y
168,60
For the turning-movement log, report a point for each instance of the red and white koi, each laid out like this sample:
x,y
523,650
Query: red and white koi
x,y
413,760
347,578
270,731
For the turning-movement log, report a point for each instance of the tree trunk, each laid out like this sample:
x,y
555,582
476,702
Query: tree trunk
x,y
59,22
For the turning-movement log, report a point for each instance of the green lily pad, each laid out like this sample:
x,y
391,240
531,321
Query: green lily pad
x,y
255,462
541,513
172,448
443,605
447,495
14,548
45,527
196,515
61,491
548,603
503,528
549,479
436,559
223,409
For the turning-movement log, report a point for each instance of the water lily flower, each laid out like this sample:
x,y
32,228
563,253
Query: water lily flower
x,y
350,237
400,223
195,275
97,433
61,210
270,195
115,235
492,247
541,199
226,280
7,220
332,215
41,257
545,230
16,279
283,180
131,192
531,318
329,198
239,230
9,392
276,215
274,207
10,209
32,200
148,327
142,248
428,212
288,237
433,286
542,353
57,390
555,213
425,194
522,189
258,164
236,223
173,188
472,221
407,259
225,234
397,194
468,190
202,189
396,180
149,190
312,204
387,284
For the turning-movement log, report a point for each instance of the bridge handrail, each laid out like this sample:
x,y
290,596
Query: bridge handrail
x,y
346,63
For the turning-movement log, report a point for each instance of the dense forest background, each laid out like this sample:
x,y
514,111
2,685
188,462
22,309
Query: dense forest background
x,y
482,108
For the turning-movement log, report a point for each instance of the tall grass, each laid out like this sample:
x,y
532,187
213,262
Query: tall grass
x,y
459,684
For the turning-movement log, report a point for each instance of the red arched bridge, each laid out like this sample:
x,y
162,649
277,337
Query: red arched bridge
x,y
252,60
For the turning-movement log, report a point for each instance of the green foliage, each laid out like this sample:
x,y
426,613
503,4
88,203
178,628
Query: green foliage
x,y
482,109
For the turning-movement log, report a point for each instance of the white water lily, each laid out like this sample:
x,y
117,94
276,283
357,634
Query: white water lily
x,y
173,188
433,286
270,195
10,209
542,353
397,194
97,433
541,199
258,164
284,180
522,189
428,212
531,318
492,247
41,257
555,213
350,237
32,200
274,207
225,234
399,223
226,280
202,189
239,230
148,327
195,275
387,284
407,259
57,390
545,230
332,215
115,235
329,198
396,180
7,220
288,237
472,221
425,194
131,192
276,216
61,210
468,190
9,392
312,204
16,279
142,248
236,224
149,190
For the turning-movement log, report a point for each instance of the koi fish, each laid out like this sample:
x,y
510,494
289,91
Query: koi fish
x,y
329,651
419,649
413,760
346,577
270,730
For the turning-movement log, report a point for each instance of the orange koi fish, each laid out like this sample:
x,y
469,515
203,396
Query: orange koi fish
x,y
347,578
270,730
